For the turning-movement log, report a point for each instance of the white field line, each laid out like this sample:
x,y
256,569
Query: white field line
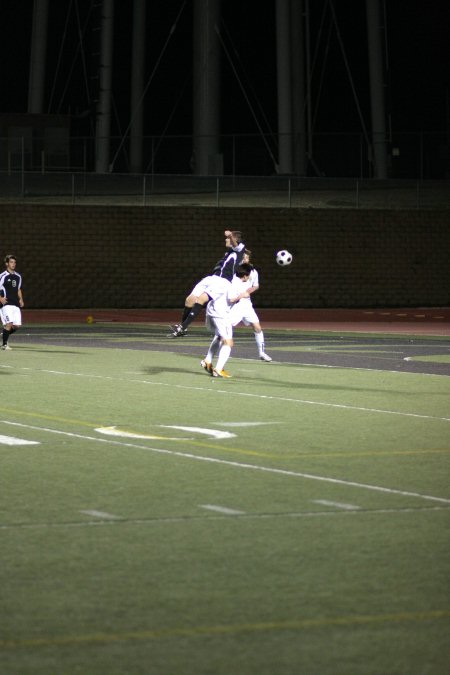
x,y
239,465
336,505
284,399
233,392
11,440
222,509
307,364
101,514
218,516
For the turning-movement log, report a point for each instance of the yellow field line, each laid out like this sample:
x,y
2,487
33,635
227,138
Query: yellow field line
x,y
197,631
234,450
53,418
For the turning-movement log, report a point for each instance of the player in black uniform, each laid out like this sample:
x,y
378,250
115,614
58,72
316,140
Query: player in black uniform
x,y
11,299
215,284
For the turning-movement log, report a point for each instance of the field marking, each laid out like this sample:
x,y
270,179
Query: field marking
x,y
245,424
227,629
215,433
220,516
222,509
12,440
233,392
337,505
101,514
240,465
237,450
296,364
114,431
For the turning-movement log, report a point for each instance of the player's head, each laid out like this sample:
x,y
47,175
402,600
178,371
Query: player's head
x,y
10,259
247,256
244,270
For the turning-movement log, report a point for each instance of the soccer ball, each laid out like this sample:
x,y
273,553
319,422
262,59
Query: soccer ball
x,y
284,258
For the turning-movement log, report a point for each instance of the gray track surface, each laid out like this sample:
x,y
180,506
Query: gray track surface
x,y
393,352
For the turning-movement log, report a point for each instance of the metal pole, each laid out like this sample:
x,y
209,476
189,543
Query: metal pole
x,y
298,88
37,59
23,167
284,89
376,88
104,102
308,83
206,87
137,86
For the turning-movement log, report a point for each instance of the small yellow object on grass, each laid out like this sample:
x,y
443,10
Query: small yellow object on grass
x,y
89,319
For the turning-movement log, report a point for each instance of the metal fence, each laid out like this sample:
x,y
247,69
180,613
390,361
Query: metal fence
x,y
415,156
261,191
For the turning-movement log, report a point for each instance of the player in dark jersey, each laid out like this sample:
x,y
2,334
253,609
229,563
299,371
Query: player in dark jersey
x,y
212,286
11,299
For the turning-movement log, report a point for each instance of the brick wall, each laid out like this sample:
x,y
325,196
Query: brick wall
x,y
112,256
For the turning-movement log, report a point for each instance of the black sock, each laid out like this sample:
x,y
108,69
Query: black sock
x,y
186,311
5,336
193,312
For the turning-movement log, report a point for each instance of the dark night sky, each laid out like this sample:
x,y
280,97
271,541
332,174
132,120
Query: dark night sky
x,y
417,86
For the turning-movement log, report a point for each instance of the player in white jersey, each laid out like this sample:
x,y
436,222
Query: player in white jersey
x,y
245,312
218,322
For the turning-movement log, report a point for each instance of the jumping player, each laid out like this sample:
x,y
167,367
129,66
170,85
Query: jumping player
x,y
214,285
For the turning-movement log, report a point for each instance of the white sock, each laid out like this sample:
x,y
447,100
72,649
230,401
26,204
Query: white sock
x,y
259,337
213,347
224,354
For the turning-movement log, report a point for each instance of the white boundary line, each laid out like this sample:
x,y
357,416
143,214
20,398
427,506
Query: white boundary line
x,y
217,516
239,465
336,505
101,514
222,509
233,392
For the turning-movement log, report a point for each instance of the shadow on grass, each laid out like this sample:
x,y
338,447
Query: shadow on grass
x,y
49,350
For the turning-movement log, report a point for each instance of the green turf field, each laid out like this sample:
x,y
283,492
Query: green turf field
x,y
155,521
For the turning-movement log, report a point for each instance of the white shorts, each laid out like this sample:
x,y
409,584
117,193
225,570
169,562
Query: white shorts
x,y
200,287
221,327
216,286
213,285
11,314
245,312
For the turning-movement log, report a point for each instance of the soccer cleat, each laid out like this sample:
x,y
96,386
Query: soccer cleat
x,y
6,347
221,373
207,366
265,357
177,331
